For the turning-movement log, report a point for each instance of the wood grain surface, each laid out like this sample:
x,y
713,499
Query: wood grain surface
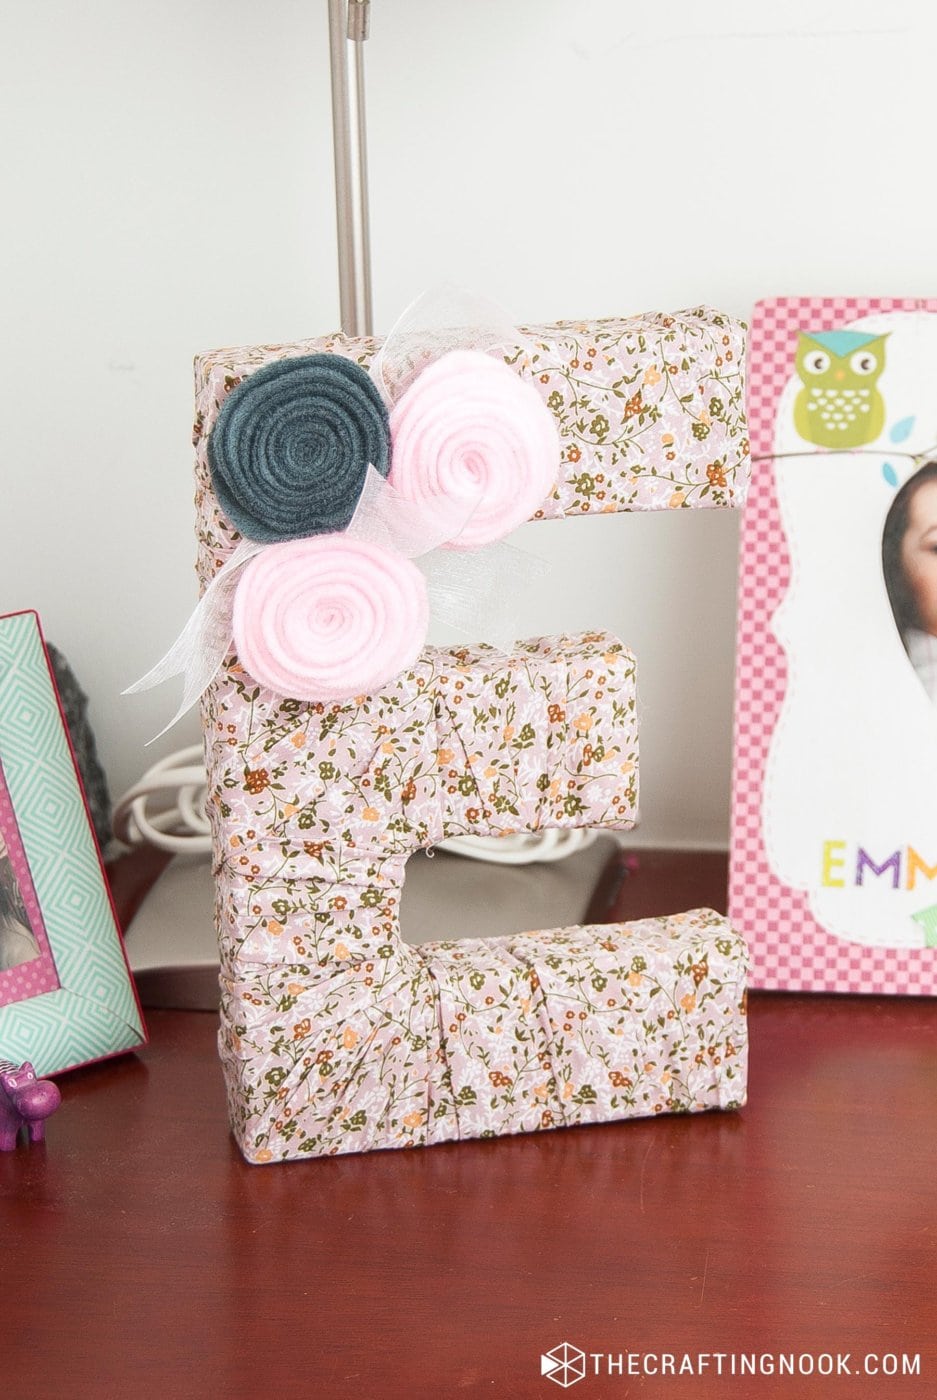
x,y
142,1257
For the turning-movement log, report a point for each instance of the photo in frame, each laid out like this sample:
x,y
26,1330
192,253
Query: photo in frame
x,y
66,994
834,842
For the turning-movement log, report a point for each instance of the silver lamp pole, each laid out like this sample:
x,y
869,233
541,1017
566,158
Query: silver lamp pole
x,y
348,29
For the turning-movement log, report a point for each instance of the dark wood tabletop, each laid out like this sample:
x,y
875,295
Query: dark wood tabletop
x,y
142,1257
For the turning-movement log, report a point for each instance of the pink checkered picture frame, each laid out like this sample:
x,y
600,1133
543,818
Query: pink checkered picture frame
x,y
834,867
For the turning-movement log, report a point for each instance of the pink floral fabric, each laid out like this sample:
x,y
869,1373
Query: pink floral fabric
x,y
336,1036
650,409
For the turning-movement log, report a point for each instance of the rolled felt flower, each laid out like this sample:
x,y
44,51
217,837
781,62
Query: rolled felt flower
x,y
328,618
289,452
470,428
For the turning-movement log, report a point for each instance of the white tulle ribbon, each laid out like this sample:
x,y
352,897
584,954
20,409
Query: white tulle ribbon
x,y
443,319
466,590
461,589
204,642
385,517
474,589
485,584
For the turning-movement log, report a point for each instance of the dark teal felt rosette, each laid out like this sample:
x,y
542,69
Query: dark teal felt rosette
x,y
291,447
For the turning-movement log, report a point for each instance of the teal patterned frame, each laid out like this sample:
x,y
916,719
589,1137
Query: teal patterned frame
x,y
94,1012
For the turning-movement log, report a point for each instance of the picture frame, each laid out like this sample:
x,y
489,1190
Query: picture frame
x,y
67,997
833,871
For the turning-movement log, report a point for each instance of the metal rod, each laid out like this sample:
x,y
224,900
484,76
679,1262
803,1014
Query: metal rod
x,y
348,29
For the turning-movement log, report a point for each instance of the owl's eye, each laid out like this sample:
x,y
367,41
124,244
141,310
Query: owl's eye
x,y
863,362
817,362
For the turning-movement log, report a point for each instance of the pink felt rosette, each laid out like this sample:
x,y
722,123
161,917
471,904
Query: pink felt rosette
x,y
469,429
328,618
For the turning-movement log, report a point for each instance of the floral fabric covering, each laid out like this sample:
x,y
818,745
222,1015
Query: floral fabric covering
x,y
482,1037
315,810
650,409
336,1036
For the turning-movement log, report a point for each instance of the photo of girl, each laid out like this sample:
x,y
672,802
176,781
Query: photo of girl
x,y
17,942
909,563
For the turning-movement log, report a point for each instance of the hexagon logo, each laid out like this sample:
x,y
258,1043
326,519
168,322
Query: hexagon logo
x,y
564,1365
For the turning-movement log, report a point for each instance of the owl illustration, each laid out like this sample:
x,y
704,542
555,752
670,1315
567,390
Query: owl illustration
x,y
839,405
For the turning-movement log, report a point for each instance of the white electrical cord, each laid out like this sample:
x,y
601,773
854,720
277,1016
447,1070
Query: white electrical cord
x,y
523,849
178,787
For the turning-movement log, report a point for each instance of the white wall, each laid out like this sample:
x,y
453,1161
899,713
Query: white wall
x,y
167,183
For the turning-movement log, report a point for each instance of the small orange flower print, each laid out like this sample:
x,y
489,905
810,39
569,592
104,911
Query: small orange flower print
x,y
371,814
256,779
716,475
652,375
573,454
634,405
583,723
350,1038
413,1120
302,1028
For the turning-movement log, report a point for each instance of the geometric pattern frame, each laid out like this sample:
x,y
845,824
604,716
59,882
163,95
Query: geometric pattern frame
x,y
87,1008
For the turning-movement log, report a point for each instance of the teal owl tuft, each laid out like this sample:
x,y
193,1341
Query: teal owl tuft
x,y
839,404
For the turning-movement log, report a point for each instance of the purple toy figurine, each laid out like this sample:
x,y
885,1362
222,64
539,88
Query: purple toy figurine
x,y
25,1102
